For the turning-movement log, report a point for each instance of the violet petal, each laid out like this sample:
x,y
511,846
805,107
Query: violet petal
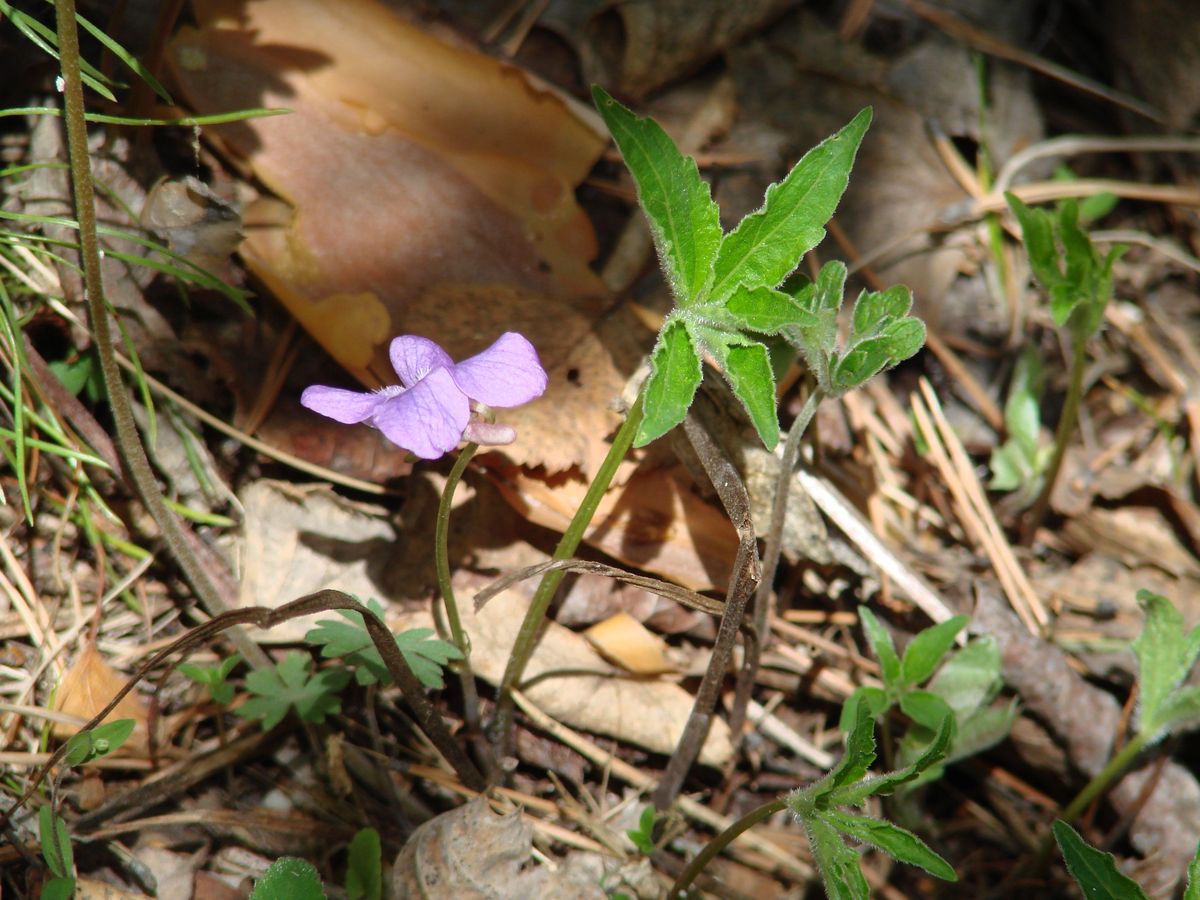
x,y
427,419
508,373
347,407
415,357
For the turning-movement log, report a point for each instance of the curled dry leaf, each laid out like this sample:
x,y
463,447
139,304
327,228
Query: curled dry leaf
x,y
471,853
432,190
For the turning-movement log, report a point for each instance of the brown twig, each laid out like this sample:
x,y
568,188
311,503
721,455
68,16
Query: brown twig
x,y
728,484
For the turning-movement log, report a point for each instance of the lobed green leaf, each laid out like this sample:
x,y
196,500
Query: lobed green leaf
x,y
684,220
768,244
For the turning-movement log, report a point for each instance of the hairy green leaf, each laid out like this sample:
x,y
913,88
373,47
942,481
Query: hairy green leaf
x,y
764,310
1094,871
1165,656
769,244
747,367
893,840
684,221
289,878
674,376
860,752
875,699
838,864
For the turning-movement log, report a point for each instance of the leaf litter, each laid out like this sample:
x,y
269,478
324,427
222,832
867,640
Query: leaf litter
x,y
411,188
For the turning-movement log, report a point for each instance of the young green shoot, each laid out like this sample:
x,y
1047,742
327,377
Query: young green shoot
x,y
820,809
1079,284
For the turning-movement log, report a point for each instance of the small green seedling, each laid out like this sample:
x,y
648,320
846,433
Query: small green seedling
x,y
364,871
1019,464
1167,705
292,684
214,678
643,835
1080,284
819,809
966,682
84,747
727,286
426,655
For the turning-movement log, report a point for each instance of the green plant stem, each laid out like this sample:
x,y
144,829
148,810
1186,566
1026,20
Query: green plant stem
x,y
441,552
721,841
129,443
572,537
1062,436
1105,777
1100,782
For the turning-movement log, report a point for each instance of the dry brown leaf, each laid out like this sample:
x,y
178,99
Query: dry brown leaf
x,y
655,521
433,193
299,542
629,644
571,682
471,853
87,687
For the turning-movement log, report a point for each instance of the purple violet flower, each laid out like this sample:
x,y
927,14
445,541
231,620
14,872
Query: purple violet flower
x,y
430,411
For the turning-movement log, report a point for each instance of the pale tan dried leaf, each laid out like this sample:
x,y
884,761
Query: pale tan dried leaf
x,y
629,644
87,687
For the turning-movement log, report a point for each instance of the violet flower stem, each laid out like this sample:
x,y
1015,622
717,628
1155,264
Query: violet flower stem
x,y
441,553
531,625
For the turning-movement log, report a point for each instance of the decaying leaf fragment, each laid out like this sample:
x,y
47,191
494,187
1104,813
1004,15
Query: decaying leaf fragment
x,y
472,853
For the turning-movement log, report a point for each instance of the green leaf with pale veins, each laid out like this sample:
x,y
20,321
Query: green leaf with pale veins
x,y
747,367
767,245
684,220
764,310
674,376
1094,871
892,840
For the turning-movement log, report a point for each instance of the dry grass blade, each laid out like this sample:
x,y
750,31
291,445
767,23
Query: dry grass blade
x,y
973,508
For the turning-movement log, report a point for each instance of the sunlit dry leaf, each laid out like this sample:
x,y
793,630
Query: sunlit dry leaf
x,y
87,687
423,177
630,644
474,853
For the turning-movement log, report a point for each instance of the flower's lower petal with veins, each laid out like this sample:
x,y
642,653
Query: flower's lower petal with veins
x,y
427,419
347,407
415,357
508,373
